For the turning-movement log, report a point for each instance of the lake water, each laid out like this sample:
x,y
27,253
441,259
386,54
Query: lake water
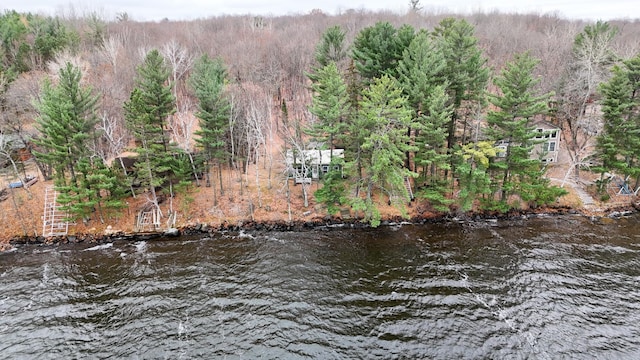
x,y
544,288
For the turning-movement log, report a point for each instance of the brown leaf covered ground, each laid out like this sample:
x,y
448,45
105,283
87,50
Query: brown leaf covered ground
x,y
21,213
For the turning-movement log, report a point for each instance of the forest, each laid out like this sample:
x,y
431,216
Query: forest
x,y
435,109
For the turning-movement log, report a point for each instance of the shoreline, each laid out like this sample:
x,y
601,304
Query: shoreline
x,y
315,223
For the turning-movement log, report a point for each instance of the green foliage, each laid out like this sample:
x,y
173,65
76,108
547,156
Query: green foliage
x,y
421,72
333,191
541,192
472,172
97,29
465,72
208,82
377,50
66,121
329,104
15,50
29,41
98,190
430,138
517,105
383,140
151,102
331,48
618,145
50,37
592,44
368,208
435,192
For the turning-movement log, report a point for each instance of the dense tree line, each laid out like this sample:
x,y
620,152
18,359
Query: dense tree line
x,y
416,99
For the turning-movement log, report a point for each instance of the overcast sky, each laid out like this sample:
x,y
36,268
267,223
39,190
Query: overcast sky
x,y
142,10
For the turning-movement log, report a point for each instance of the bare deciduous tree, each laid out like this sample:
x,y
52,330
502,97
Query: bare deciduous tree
x,y
590,62
111,48
179,60
182,125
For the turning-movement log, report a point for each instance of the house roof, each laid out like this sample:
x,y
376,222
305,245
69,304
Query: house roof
x,y
314,157
545,124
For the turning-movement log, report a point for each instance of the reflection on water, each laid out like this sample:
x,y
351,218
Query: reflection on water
x,y
536,289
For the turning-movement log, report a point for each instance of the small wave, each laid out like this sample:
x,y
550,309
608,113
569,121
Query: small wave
x,y
141,246
275,239
243,234
99,247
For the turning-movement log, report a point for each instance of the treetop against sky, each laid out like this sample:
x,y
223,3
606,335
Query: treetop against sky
x,y
154,10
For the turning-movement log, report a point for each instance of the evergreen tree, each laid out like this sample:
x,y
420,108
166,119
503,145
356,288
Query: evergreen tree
x,y
473,172
333,192
67,125
99,190
208,81
377,50
29,41
146,112
421,75
384,118
465,71
618,146
66,121
331,48
14,51
516,107
330,105
431,152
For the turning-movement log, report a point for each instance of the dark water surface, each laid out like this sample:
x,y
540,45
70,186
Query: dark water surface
x,y
550,288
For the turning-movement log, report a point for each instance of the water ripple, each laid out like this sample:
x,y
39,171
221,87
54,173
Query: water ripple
x,y
537,289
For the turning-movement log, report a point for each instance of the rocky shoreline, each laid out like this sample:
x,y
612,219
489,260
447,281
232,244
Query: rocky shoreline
x,y
316,223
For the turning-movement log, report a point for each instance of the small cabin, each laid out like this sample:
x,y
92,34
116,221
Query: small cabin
x,y
311,165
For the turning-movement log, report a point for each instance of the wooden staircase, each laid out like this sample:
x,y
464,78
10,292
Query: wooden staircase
x,y
407,184
54,219
148,221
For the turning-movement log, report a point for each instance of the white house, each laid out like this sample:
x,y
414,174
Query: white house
x,y
311,164
549,135
548,147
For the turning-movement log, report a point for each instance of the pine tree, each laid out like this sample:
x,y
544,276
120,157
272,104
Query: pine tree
x,y
473,172
377,50
331,48
208,81
67,125
431,152
384,118
146,112
99,191
466,72
618,146
421,73
330,105
517,105
66,121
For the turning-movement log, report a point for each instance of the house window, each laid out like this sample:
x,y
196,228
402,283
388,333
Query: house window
x,y
554,134
325,168
540,133
550,146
